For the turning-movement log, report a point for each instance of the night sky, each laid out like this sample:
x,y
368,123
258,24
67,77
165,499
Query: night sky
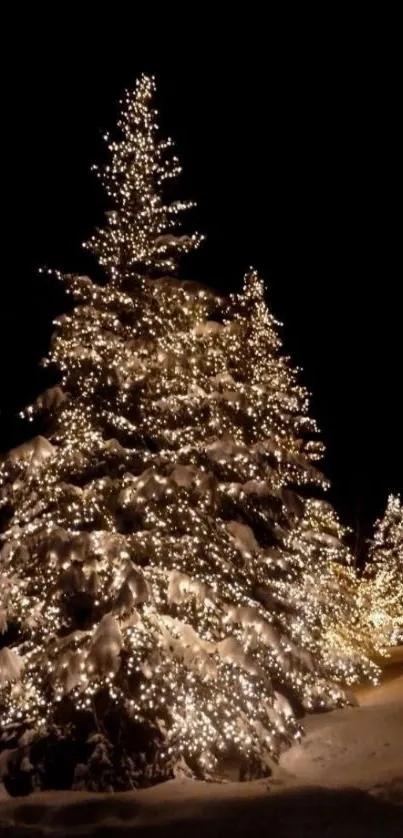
x,y
293,158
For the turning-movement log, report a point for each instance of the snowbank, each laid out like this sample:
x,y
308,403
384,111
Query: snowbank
x,y
344,781
183,808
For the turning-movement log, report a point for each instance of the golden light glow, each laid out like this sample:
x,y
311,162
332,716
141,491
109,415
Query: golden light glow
x,y
381,587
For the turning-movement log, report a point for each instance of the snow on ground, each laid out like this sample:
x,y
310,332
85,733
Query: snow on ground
x,y
345,780
356,747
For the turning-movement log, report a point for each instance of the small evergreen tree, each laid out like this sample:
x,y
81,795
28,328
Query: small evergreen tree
x,y
326,602
381,589
310,568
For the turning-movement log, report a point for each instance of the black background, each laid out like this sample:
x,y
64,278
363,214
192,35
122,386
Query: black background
x,y
290,145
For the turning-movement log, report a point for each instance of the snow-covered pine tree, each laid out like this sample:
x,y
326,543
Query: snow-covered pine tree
x,y
140,631
309,566
322,586
381,587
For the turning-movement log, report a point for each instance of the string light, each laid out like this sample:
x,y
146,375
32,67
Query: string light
x,y
138,233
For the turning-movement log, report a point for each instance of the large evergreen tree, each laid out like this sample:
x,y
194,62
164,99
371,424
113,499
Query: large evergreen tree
x,y
150,612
